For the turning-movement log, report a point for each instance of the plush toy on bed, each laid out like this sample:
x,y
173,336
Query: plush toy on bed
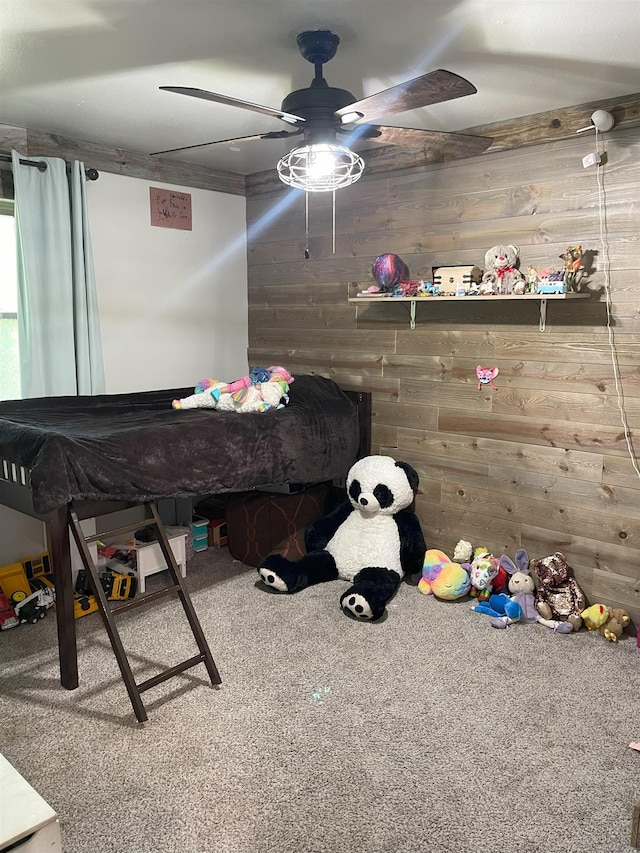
x,y
372,540
256,398
263,389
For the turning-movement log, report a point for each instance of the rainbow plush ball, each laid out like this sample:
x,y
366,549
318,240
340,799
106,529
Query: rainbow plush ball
x,y
389,270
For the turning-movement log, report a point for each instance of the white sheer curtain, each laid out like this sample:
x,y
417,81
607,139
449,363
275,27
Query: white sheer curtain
x,y
58,324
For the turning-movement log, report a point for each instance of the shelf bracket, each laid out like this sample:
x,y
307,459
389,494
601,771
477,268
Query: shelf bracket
x,y
412,312
543,315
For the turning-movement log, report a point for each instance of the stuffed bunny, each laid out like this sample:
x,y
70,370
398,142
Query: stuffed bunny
x,y
520,606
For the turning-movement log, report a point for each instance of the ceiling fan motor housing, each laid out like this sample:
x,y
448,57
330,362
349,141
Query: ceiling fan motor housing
x,y
318,105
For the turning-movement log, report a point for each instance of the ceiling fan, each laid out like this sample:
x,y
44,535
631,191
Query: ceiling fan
x,y
323,114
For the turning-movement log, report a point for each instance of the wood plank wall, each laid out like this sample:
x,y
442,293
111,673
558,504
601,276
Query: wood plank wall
x,y
542,462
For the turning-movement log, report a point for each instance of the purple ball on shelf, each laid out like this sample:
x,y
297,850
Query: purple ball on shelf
x,y
389,270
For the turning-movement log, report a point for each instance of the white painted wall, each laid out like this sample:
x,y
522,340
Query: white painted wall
x,y
173,304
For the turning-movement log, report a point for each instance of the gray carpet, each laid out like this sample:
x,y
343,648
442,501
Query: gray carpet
x,y
430,731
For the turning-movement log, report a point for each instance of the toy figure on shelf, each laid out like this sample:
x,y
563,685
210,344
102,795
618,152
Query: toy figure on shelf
x,y
428,288
500,271
532,279
551,281
574,271
406,288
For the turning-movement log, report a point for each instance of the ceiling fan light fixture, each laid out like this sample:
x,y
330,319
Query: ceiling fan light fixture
x,y
320,167
349,118
290,119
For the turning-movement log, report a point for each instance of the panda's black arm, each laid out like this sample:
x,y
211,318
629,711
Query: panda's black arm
x,y
320,532
412,544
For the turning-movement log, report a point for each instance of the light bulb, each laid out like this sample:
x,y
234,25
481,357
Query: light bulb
x,y
322,162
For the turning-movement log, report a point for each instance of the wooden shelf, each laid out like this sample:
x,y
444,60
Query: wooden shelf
x,y
412,301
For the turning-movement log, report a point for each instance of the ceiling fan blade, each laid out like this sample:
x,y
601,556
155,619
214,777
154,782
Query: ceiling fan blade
x,y
432,141
431,88
232,102
276,134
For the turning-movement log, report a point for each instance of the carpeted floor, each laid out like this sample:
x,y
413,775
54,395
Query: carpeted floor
x,y
428,732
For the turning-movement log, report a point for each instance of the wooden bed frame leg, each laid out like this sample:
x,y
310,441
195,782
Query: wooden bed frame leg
x,y
60,556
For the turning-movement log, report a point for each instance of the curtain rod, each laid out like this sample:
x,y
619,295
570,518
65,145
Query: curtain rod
x,y
90,174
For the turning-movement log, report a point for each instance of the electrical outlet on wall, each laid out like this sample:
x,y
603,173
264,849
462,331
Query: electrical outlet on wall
x,y
592,159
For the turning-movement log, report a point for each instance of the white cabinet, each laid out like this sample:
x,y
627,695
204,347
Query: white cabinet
x,y
27,823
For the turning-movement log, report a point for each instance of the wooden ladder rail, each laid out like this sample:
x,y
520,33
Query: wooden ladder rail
x,y
108,614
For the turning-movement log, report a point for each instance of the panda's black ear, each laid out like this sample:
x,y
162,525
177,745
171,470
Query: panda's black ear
x,y
412,474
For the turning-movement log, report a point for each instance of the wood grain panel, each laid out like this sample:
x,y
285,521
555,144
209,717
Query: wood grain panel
x,y
553,433
317,339
571,377
432,469
348,361
620,471
543,461
545,404
405,415
433,368
303,317
133,163
598,556
592,497
325,293
444,526
618,591
476,343
613,529
524,457
384,436
579,347
420,210
13,138
455,396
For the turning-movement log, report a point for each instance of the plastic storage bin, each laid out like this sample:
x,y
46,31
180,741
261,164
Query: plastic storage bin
x,y
200,533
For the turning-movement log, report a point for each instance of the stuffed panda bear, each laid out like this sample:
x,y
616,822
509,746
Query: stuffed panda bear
x,y
372,540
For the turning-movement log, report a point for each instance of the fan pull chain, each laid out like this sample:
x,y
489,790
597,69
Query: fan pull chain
x,y
334,222
306,226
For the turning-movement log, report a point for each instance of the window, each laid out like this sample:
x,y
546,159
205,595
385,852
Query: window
x,y
9,358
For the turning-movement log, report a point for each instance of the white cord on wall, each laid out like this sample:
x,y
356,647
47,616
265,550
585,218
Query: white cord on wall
x,y
607,288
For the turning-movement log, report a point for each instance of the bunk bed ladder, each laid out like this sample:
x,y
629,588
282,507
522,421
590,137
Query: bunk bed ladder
x,y
108,614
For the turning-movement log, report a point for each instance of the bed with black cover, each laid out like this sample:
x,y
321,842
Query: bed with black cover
x,y
104,453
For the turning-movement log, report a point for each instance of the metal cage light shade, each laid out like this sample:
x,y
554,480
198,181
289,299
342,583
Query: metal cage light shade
x,y
320,167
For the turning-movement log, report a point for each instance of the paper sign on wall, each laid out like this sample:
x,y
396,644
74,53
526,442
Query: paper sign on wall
x,y
170,209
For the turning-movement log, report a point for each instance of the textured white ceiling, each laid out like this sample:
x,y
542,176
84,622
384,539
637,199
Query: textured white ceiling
x,y
90,69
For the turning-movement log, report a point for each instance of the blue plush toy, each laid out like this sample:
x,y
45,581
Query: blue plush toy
x,y
502,608
520,605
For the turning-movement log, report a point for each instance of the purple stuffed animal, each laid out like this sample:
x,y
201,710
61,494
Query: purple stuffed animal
x,y
520,606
